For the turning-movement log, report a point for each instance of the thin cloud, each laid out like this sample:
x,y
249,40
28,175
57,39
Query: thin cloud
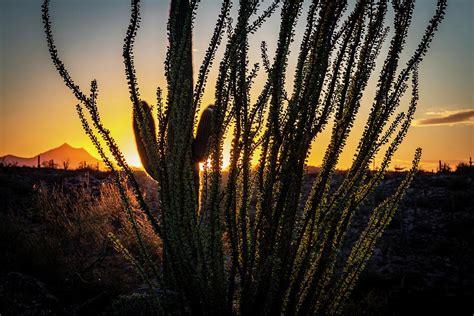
x,y
448,118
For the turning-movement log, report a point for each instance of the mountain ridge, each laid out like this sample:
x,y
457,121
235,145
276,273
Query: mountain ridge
x,y
61,156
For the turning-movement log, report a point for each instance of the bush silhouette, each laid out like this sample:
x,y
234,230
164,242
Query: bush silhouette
x,y
223,254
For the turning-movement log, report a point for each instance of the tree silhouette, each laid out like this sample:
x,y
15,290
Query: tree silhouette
x,y
252,244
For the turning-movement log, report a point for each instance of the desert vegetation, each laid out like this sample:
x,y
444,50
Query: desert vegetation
x,y
54,231
254,243
57,259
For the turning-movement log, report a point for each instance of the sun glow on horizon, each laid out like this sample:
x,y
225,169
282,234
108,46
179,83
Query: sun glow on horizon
x,y
131,155
134,160
224,165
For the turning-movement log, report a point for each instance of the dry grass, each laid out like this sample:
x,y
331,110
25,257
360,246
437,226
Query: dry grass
x,y
63,241
87,219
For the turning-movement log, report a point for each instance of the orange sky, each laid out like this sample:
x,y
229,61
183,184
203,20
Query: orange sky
x,y
37,110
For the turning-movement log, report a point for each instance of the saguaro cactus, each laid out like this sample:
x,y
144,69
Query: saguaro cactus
x,y
256,244
201,143
146,144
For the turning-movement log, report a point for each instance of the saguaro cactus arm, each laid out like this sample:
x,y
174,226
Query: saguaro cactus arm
x,y
204,131
145,137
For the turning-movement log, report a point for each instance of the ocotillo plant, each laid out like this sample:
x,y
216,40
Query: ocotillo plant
x,y
254,244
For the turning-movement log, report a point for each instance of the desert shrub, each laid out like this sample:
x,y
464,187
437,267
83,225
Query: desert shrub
x,y
78,225
87,220
63,240
222,254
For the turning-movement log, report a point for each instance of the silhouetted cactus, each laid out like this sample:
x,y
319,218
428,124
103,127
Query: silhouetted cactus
x,y
443,167
142,115
202,141
223,253
200,144
66,164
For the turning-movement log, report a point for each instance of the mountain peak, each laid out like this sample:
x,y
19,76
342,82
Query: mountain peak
x,y
74,157
65,145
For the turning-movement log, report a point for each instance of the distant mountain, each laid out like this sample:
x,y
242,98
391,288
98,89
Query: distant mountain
x,y
64,154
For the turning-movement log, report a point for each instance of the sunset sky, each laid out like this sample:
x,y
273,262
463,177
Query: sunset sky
x,y
37,111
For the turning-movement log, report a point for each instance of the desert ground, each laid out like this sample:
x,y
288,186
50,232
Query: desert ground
x,y
56,257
